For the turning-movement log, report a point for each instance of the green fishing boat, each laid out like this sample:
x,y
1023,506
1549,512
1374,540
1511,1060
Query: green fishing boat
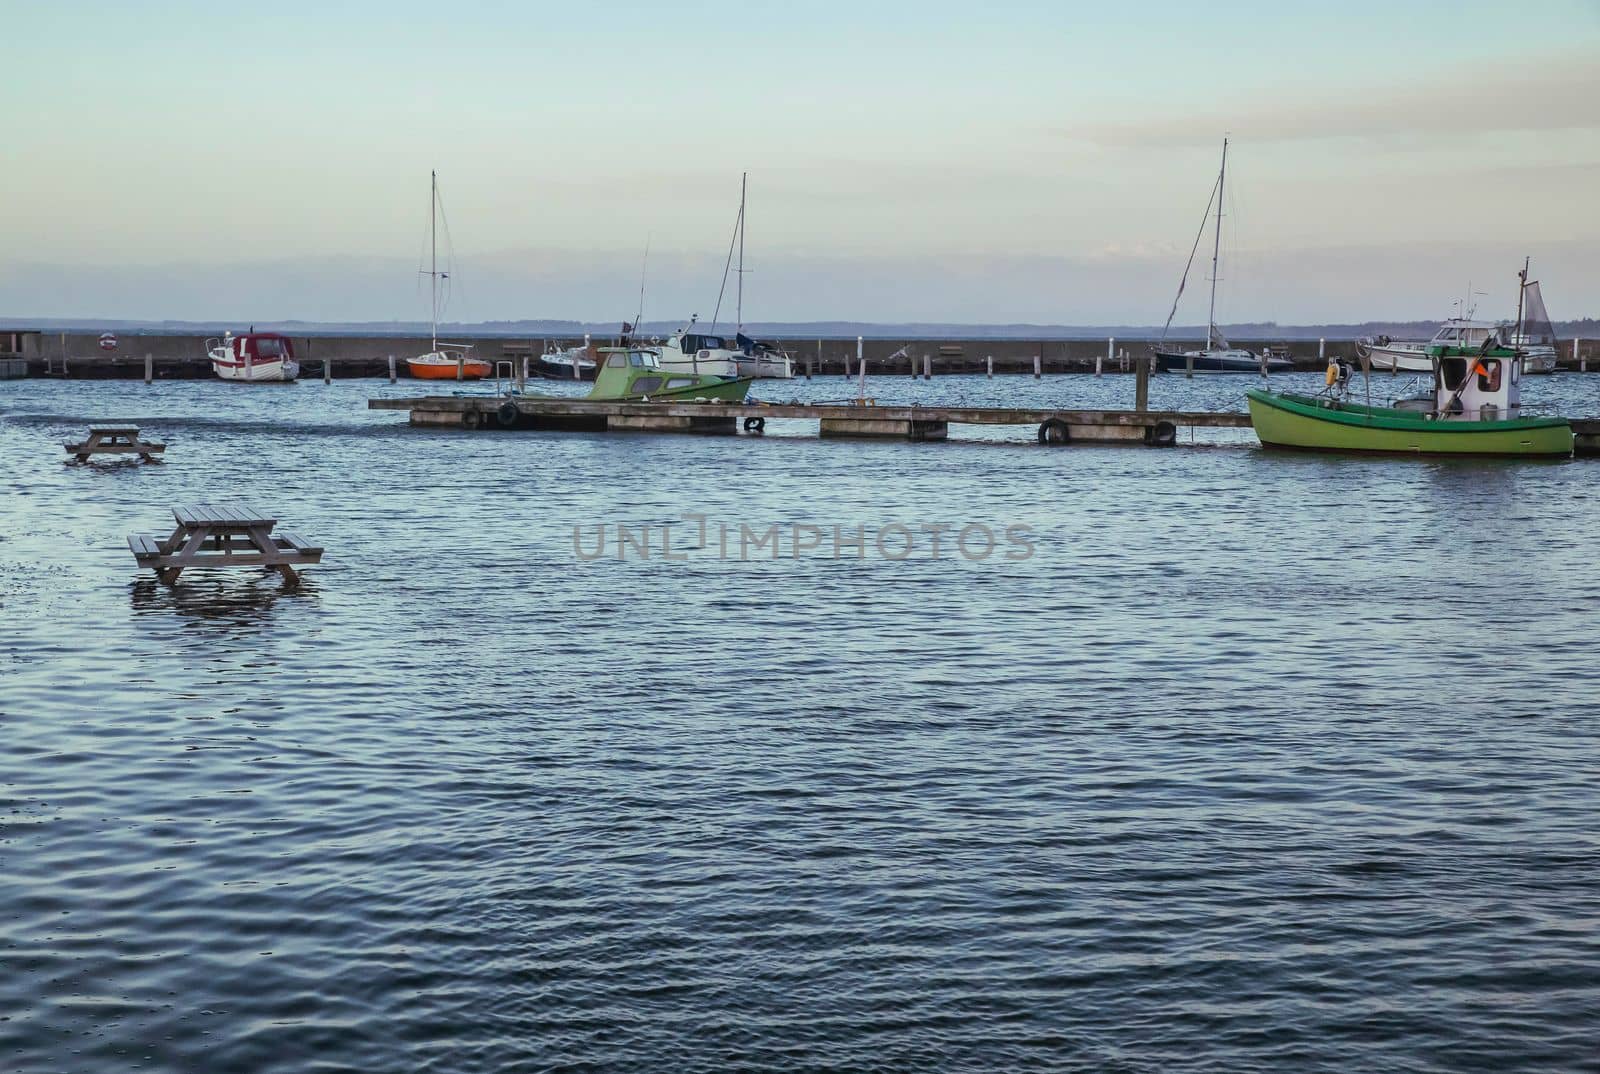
x,y
635,373
1475,409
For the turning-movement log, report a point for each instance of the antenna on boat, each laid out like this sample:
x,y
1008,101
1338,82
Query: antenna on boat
x,y
638,318
1522,292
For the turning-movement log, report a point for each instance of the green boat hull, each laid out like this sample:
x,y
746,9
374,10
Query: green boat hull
x,y
1307,423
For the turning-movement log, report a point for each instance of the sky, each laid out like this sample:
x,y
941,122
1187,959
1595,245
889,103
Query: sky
x,y
1014,162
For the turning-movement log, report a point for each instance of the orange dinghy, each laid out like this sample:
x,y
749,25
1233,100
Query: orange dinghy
x,y
443,365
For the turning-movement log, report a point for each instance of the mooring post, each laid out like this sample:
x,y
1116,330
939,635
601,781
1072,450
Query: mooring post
x,y
249,362
1141,382
1038,362
861,372
461,367
392,378
1188,364
149,367
927,367
991,367
1583,363
577,362
1322,350
327,365
522,384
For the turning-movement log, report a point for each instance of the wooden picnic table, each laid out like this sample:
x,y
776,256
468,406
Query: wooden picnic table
x,y
223,535
114,440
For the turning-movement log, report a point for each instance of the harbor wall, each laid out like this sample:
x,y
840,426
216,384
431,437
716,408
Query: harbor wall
x,y
184,356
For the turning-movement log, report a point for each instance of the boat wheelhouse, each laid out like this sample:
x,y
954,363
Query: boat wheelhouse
x,y
253,357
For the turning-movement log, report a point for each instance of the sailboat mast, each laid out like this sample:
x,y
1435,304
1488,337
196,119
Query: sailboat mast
x,y
744,178
1216,247
433,251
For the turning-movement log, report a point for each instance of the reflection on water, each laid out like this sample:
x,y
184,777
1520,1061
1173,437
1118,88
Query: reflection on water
x,y
1261,762
242,599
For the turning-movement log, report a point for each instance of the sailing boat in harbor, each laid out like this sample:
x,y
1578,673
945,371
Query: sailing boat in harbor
x,y
708,352
1218,356
444,361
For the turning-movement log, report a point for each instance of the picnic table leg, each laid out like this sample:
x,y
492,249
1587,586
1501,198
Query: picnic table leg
x,y
196,539
261,537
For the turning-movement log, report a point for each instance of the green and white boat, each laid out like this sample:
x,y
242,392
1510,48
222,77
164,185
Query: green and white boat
x,y
635,373
1475,409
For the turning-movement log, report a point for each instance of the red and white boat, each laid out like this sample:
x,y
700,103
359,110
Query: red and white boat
x,y
254,356
445,361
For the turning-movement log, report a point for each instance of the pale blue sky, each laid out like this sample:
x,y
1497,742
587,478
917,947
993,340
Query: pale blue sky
x,y
1016,161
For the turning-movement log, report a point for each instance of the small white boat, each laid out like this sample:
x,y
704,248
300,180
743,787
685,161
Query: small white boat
x,y
1411,356
1532,334
254,357
701,352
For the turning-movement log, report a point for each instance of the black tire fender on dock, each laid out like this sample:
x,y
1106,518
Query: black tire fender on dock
x,y
507,414
471,419
1161,434
1054,431
755,424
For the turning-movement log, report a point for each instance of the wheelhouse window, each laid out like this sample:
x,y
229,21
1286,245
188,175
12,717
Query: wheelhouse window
x,y
1489,375
636,359
1453,372
617,361
645,385
679,382
268,348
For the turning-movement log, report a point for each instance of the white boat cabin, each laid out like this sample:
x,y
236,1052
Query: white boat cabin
x,y
1476,386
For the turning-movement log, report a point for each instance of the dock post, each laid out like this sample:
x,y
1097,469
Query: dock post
x,y
1141,382
577,363
861,372
1188,365
1583,363
392,377
461,367
991,367
327,367
149,367
1038,363
522,385
927,367
1322,351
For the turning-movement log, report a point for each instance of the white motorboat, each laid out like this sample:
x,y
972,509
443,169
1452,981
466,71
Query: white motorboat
x,y
1532,334
254,357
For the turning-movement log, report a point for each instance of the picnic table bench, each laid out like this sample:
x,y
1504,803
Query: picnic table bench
x,y
223,535
114,440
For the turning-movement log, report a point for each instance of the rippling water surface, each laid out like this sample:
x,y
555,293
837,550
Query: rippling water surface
x,y
1257,763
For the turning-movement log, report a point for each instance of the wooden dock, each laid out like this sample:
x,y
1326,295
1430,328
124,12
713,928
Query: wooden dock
x,y
1158,428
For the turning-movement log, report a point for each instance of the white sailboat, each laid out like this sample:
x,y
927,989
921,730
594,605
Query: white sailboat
x,y
708,352
444,361
1218,356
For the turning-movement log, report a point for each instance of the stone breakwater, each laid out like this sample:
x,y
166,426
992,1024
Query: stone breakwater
x,y
184,356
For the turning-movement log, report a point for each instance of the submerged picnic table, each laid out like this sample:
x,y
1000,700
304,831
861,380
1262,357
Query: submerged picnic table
x,y
115,440
223,535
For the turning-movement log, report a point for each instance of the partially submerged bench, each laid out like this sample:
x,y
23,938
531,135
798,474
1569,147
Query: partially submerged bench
x,y
114,440
223,535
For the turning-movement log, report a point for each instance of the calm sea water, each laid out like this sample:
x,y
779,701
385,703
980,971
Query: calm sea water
x,y
1256,763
